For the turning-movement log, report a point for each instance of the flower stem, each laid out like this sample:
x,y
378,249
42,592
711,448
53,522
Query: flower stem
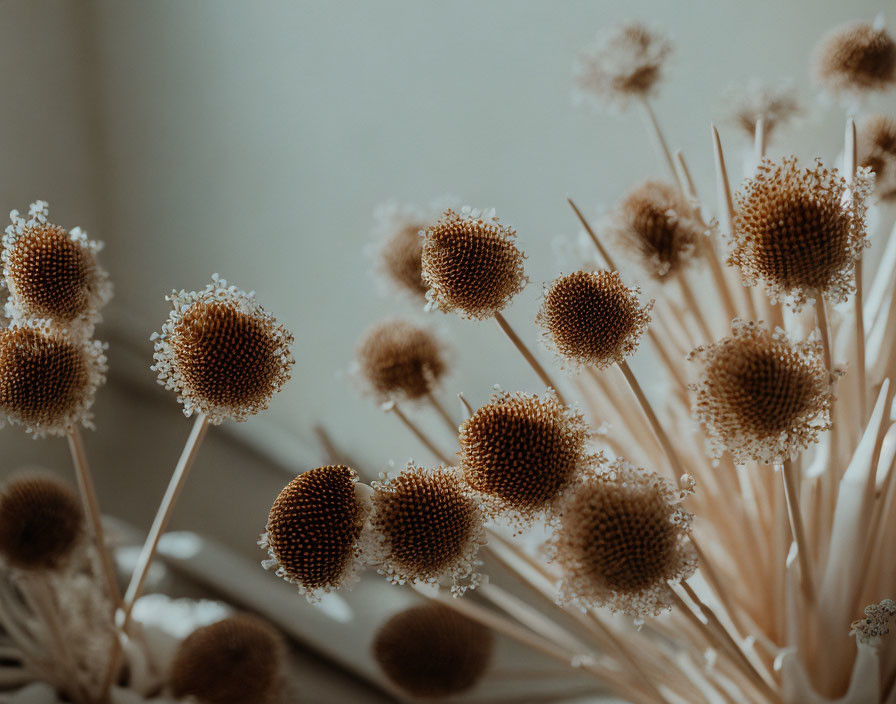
x,y
529,357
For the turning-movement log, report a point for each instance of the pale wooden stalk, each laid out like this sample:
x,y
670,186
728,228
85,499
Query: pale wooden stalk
x,y
797,526
660,141
441,411
625,412
822,315
760,140
850,160
611,265
393,407
693,306
529,357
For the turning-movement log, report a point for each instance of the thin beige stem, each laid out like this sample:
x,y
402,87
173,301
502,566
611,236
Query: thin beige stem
x,y
465,405
163,515
760,140
693,306
850,160
660,141
419,434
611,265
712,578
529,357
94,516
442,412
799,531
685,175
821,312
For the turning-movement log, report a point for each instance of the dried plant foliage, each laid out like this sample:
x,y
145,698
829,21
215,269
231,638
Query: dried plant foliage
x,y
431,651
760,396
471,264
426,526
521,452
745,103
800,230
876,151
40,522
622,539
234,661
52,274
48,382
854,59
659,227
313,531
625,64
591,318
399,360
222,353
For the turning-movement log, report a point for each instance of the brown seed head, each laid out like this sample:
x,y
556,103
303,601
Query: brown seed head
x,y
313,529
399,359
471,264
745,103
760,396
855,59
658,226
521,452
431,651
222,353
47,383
876,149
620,66
426,525
592,319
234,661
794,232
399,231
40,522
621,539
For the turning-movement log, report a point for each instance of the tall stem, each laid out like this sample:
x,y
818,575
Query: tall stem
x,y
691,301
442,412
419,434
798,527
529,357
822,314
660,140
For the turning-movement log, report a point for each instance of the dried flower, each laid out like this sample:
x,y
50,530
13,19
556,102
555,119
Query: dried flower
x,y
799,231
625,64
622,539
234,661
222,353
876,622
52,274
592,319
431,651
854,59
471,264
521,452
48,382
401,360
40,522
313,530
656,223
876,149
426,526
761,396
745,103
399,230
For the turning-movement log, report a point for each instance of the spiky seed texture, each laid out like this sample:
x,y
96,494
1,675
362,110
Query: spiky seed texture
x,y
426,526
592,319
855,59
41,522
400,360
222,353
313,531
876,147
48,381
233,661
432,651
876,622
520,452
745,103
659,227
622,65
760,396
799,232
622,539
52,274
471,264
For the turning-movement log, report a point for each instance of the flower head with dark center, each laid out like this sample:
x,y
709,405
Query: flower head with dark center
x,y
855,59
745,104
399,249
876,151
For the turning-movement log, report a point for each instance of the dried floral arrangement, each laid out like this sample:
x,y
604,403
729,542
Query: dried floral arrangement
x,y
726,542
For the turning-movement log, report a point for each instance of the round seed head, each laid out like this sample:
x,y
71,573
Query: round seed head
x,y
520,452
799,231
52,274
658,226
222,353
471,264
431,651
40,522
592,319
760,396
426,526
47,382
400,360
625,64
855,59
234,661
621,539
876,149
313,530
399,231
745,103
